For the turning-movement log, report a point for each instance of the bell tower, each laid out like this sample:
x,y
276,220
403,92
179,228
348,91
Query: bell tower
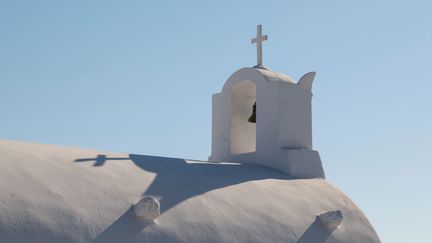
x,y
264,117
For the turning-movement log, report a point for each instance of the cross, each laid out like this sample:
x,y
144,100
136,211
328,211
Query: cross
x,y
258,40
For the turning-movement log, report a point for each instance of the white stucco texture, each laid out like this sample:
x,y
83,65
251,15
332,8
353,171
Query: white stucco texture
x,y
62,194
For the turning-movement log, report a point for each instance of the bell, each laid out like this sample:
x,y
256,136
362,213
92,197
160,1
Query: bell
x,y
252,118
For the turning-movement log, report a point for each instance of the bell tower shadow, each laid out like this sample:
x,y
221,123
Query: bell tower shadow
x,y
178,179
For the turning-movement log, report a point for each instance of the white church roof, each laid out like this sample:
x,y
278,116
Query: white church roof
x,y
61,194
275,76
268,74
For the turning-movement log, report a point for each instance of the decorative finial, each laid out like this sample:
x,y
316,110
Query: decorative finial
x,y
258,40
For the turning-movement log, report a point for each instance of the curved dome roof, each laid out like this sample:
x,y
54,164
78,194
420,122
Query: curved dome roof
x,y
267,74
61,194
273,76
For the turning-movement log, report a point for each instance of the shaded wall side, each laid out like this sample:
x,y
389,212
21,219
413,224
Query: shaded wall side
x,y
295,117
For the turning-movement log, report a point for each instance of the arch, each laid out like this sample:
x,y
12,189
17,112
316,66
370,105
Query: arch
x,y
242,132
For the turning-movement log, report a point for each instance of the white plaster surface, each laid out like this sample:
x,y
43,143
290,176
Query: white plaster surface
x,y
61,194
243,133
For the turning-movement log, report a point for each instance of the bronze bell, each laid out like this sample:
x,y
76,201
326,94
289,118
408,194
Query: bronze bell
x,y
252,118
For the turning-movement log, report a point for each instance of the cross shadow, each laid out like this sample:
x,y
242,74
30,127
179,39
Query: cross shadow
x,y
316,233
177,180
99,160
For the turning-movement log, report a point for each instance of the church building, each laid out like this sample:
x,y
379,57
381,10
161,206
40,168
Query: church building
x,y
263,181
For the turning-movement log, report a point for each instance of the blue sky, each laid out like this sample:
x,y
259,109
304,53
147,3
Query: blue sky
x,y
137,77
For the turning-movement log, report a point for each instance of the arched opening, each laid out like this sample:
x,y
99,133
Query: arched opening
x,y
242,132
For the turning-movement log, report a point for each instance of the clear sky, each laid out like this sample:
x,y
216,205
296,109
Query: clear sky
x,y
137,77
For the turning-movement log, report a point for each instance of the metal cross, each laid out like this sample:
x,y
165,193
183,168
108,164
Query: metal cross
x,y
258,40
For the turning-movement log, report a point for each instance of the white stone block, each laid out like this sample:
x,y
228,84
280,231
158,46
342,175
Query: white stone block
x,y
147,207
331,219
